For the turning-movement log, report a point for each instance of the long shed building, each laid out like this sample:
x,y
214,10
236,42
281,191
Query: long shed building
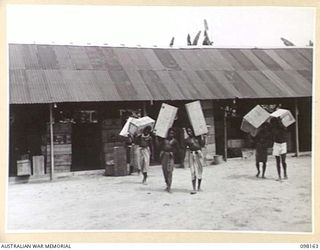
x,y
78,97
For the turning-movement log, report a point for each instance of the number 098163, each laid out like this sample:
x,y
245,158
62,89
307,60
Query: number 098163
x,y
309,246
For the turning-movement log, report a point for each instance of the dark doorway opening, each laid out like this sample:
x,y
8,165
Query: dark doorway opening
x,y
86,150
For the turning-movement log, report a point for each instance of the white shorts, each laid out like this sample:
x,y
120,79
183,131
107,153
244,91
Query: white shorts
x,y
279,148
196,163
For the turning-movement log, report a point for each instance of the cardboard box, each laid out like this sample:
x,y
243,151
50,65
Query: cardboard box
x,y
23,167
125,130
254,119
165,119
38,165
285,115
137,125
196,118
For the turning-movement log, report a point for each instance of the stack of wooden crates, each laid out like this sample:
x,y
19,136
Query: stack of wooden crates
x,y
210,150
62,147
115,161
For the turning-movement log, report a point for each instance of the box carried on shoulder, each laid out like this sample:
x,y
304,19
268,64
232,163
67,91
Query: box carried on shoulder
x,y
196,117
125,130
165,119
285,116
254,119
23,167
136,126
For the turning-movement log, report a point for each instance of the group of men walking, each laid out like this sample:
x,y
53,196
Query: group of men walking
x,y
273,132
142,146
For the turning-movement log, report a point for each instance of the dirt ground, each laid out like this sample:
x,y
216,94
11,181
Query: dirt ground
x,y
232,199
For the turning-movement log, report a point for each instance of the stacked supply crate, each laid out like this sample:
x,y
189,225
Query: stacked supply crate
x,y
119,161
62,147
207,107
111,128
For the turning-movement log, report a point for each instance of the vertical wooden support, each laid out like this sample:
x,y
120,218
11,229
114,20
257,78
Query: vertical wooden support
x,y
144,109
297,126
51,143
225,136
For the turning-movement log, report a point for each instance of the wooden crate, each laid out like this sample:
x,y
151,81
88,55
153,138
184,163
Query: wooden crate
x,y
137,126
254,119
285,115
62,169
120,161
60,149
58,169
125,130
60,160
23,167
38,165
165,119
60,128
196,118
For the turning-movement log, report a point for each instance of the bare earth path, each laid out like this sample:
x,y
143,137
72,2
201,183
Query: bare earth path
x,y
233,199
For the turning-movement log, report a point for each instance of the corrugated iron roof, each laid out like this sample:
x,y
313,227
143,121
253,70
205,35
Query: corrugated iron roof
x,y
65,73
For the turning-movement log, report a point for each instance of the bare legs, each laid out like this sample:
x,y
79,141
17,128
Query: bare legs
x,y
281,158
194,182
264,166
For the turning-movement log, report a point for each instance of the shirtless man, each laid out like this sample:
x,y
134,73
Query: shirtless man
x,y
196,160
168,147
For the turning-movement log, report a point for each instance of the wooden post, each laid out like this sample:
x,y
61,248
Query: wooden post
x,y
225,136
297,127
144,109
51,143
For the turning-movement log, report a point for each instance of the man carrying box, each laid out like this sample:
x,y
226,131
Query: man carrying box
x,y
168,146
145,145
196,160
279,145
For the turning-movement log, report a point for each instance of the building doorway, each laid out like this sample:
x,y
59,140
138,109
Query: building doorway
x,y
86,149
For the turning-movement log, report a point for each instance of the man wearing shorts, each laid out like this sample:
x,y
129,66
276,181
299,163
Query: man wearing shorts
x,y
168,146
196,159
279,146
145,144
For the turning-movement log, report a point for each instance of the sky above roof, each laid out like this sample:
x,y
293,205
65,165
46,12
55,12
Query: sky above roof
x,y
155,26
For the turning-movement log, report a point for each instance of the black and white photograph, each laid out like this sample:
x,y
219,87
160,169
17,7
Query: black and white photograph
x,y
160,118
